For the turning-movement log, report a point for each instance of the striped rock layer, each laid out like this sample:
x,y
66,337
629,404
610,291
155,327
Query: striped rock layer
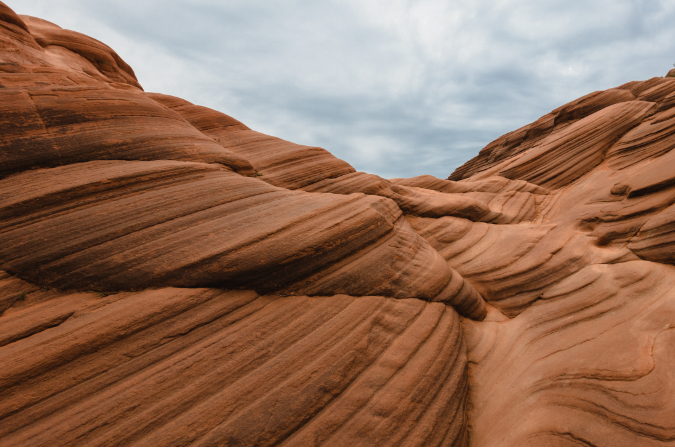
x,y
170,276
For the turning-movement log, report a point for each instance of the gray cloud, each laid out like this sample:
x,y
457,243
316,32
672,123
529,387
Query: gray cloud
x,y
396,88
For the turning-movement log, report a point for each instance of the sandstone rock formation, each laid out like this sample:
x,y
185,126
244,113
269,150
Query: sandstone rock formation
x,y
170,276
176,366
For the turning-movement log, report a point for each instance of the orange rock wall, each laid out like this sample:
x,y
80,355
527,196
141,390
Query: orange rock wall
x,y
171,276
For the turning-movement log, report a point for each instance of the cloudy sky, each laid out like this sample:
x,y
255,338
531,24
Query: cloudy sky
x,y
396,88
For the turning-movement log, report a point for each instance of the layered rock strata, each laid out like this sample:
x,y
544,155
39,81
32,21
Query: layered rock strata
x,y
171,276
175,366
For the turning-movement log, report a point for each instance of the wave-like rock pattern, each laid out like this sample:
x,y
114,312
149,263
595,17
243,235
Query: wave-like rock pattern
x,y
496,199
590,364
410,201
176,366
520,140
128,225
581,353
494,184
569,154
62,125
511,266
655,240
554,125
652,138
253,291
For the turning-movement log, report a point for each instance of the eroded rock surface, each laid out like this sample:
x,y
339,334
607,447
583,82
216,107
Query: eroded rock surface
x,y
171,276
179,366
591,363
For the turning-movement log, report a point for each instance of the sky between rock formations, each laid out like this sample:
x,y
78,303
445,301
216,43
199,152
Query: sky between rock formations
x,y
396,88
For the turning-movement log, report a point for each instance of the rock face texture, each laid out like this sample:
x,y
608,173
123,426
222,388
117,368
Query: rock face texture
x,y
170,276
177,366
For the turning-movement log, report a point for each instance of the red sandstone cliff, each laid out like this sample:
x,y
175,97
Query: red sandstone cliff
x,y
170,276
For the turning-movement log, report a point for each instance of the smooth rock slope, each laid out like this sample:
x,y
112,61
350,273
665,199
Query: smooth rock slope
x,y
172,277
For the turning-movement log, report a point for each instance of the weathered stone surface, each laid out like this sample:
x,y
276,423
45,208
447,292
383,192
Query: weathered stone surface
x,y
652,138
590,364
171,276
496,200
522,139
61,125
117,225
569,154
179,366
